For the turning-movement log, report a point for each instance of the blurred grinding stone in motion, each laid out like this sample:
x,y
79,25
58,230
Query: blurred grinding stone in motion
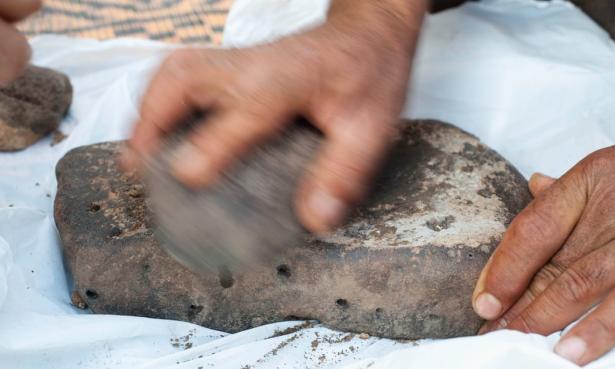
x,y
244,217
404,266
32,106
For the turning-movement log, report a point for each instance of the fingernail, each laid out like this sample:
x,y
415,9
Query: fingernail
x,y
571,348
493,326
487,306
189,162
328,208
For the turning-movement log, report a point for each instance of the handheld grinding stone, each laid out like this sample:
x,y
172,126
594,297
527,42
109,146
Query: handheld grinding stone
x,y
245,216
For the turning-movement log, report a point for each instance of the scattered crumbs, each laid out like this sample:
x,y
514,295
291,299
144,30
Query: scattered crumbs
x,y
32,271
56,137
77,301
48,195
282,344
406,341
11,205
322,358
37,184
293,329
275,351
183,342
314,345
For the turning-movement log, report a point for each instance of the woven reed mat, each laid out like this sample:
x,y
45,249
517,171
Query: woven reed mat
x,y
179,21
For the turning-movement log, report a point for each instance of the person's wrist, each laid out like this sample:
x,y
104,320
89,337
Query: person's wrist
x,y
392,22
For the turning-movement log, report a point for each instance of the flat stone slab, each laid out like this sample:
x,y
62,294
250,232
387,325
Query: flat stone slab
x,y
404,266
32,106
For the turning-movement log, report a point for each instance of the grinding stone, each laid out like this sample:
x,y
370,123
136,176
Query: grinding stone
x,y
32,106
404,266
244,217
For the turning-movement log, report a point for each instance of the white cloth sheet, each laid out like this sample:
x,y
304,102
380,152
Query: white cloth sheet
x,y
534,80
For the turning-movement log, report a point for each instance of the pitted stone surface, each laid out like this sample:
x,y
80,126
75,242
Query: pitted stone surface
x,y
404,266
32,106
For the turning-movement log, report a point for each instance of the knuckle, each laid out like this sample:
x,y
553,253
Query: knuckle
x,y
525,322
536,225
545,276
599,162
180,62
343,178
602,324
577,285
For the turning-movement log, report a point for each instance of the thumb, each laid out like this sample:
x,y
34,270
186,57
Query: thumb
x,y
539,183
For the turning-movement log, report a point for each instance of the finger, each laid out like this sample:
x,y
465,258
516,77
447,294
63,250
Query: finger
x,y
588,235
168,100
15,52
571,295
342,173
13,11
592,337
530,241
539,183
219,141
545,276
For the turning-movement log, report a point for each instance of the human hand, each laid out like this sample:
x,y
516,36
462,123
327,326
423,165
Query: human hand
x,y
14,49
348,77
557,261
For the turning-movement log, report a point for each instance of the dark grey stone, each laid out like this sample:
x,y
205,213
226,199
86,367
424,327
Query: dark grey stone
x,y
404,266
32,106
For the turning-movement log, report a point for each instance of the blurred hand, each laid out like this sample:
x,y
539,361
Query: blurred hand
x,y
557,261
348,77
14,49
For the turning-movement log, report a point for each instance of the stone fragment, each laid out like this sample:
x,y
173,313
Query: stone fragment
x,y
32,106
404,266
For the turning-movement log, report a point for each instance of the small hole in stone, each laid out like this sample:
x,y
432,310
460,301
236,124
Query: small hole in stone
x,y
196,308
341,303
92,294
470,255
378,310
115,232
94,207
296,317
226,277
283,271
146,267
